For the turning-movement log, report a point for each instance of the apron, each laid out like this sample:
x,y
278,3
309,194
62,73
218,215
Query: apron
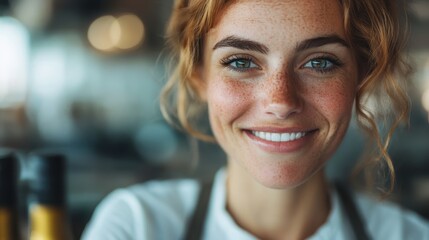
x,y
195,226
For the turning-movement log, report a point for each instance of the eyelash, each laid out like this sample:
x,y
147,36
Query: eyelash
x,y
226,62
336,63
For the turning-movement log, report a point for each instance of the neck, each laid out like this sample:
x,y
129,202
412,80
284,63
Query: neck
x,y
294,213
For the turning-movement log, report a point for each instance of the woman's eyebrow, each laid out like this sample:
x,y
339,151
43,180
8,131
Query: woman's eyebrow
x,y
241,43
246,44
320,41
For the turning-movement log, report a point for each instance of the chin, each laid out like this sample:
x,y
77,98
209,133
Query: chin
x,y
286,177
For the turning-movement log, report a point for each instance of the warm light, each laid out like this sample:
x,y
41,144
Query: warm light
x,y
108,33
425,100
132,31
104,33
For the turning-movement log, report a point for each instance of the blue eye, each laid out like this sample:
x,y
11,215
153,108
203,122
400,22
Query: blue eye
x,y
239,63
319,64
322,65
242,63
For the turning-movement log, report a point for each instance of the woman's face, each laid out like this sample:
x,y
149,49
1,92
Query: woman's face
x,y
280,82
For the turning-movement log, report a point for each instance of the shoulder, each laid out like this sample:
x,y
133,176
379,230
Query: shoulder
x,y
140,211
386,220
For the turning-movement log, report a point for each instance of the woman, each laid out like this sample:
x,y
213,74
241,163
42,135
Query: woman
x,y
280,79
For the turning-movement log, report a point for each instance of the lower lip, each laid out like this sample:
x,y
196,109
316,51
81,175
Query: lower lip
x,y
280,147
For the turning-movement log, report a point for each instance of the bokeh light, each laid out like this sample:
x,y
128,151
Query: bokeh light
x,y
108,33
132,31
104,33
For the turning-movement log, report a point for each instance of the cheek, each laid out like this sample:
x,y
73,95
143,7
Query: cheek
x,y
335,100
227,98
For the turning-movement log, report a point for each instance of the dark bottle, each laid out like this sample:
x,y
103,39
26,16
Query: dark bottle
x,y
9,221
48,219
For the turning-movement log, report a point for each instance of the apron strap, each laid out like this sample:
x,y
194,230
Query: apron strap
x,y
195,226
349,206
196,223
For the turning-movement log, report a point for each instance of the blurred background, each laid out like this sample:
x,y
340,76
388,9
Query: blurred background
x,y
82,78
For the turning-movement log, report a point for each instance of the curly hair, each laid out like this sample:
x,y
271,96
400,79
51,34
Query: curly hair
x,y
374,29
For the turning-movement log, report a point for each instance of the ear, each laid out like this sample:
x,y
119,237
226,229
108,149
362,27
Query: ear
x,y
199,83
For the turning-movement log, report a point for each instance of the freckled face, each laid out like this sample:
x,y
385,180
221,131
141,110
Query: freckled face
x,y
280,83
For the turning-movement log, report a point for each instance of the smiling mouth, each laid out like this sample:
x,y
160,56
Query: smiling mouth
x,y
278,137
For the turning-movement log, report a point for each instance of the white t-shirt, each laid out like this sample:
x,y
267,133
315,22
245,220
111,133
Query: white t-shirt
x,y
160,210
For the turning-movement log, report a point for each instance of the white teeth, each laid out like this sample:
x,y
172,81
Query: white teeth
x,y
285,137
279,137
275,137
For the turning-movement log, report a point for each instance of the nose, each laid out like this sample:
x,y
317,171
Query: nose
x,y
282,98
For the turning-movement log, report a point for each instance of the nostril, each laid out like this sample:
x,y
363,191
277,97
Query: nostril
x,y
282,96
284,107
281,111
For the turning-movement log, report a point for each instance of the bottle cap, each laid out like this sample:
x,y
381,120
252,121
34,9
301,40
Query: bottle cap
x,y
47,178
8,178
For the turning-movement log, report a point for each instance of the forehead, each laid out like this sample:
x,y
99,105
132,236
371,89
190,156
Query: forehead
x,y
270,18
